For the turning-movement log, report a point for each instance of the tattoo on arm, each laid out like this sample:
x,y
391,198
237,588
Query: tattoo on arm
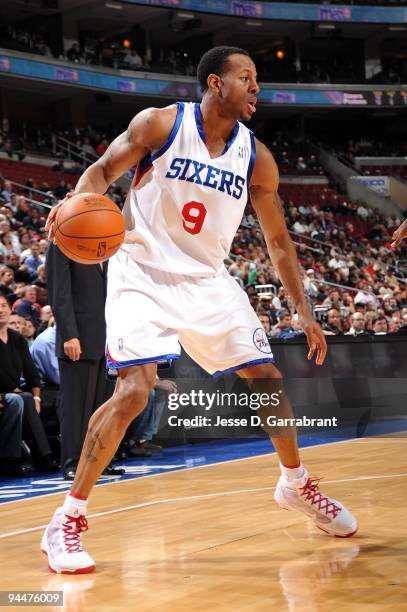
x,y
94,441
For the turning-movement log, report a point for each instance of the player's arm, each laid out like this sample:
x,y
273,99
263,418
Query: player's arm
x,y
267,204
399,234
147,132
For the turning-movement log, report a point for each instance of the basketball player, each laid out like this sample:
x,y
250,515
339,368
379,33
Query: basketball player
x,y
196,165
400,234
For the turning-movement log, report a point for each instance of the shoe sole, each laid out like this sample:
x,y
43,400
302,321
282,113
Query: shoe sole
x,y
348,535
335,535
81,570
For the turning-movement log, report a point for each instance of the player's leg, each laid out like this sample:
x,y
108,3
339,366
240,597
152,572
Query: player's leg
x,y
295,489
62,537
108,424
225,335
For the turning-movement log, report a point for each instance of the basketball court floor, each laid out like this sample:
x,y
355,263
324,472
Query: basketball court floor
x,y
203,533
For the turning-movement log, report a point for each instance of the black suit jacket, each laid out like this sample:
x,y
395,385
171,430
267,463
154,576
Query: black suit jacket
x,y
77,294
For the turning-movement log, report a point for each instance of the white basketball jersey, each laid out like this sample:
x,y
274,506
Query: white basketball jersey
x,y
184,208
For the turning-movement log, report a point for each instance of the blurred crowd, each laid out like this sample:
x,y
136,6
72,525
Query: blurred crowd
x,y
372,147
119,53
344,276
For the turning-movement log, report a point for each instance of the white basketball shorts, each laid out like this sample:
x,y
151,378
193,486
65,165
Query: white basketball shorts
x,y
149,313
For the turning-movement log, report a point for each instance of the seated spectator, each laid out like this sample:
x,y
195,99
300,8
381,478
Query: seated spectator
x,y
33,219
333,324
34,260
358,324
27,307
28,331
15,362
40,280
7,283
43,353
395,323
310,283
292,332
74,53
132,60
266,323
16,322
284,323
380,326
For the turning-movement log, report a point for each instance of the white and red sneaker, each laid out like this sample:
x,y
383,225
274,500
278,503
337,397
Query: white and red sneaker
x,y
328,514
62,543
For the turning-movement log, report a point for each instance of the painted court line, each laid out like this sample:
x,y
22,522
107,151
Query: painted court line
x,y
194,498
118,480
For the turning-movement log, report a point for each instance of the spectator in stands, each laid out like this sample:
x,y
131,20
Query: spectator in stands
x,y
43,353
15,361
266,323
74,53
310,284
28,331
358,324
394,324
333,324
34,260
61,190
7,191
284,323
293,331
88,148
7,283
16,322
28,307
132,60
41,279
380,326
33,219
102,146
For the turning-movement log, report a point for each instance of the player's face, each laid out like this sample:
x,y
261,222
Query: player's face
x,y
240,87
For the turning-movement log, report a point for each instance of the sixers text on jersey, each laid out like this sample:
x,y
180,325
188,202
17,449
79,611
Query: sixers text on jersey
x,y
199,173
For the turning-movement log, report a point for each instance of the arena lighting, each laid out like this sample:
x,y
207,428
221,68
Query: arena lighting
x,y
126,43
280,54
326,26
397,28
110,5
254,23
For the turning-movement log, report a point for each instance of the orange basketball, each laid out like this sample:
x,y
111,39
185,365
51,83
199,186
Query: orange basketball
x,y
89,228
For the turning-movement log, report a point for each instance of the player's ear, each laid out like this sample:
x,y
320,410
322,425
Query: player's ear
x,y
214,83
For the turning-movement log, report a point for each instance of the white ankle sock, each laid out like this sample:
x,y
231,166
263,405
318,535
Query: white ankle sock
x,y
292,473
75,507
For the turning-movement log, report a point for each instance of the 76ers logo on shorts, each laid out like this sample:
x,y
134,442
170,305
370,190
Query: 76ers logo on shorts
x,y
260,340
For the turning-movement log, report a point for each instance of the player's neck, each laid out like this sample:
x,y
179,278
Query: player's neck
x,y
214,124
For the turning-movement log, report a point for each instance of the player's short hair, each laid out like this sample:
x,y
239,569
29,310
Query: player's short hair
x,y
215,61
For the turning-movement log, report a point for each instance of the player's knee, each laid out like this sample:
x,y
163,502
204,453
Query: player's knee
x,y
130,401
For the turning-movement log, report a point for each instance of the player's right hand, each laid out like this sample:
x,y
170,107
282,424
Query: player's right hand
x,y
72,349
49,226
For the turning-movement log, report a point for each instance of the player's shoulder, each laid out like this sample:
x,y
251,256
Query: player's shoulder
x,y
153,125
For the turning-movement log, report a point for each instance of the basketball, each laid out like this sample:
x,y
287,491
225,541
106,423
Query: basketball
x,y
89,228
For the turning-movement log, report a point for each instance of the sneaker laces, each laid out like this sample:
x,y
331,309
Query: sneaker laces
x,y
312,494
72,528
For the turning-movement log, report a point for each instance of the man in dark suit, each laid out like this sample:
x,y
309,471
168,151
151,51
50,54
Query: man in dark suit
x,y
77,295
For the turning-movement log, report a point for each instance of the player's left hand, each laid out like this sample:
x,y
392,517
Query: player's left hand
x,y
399,235
315,338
